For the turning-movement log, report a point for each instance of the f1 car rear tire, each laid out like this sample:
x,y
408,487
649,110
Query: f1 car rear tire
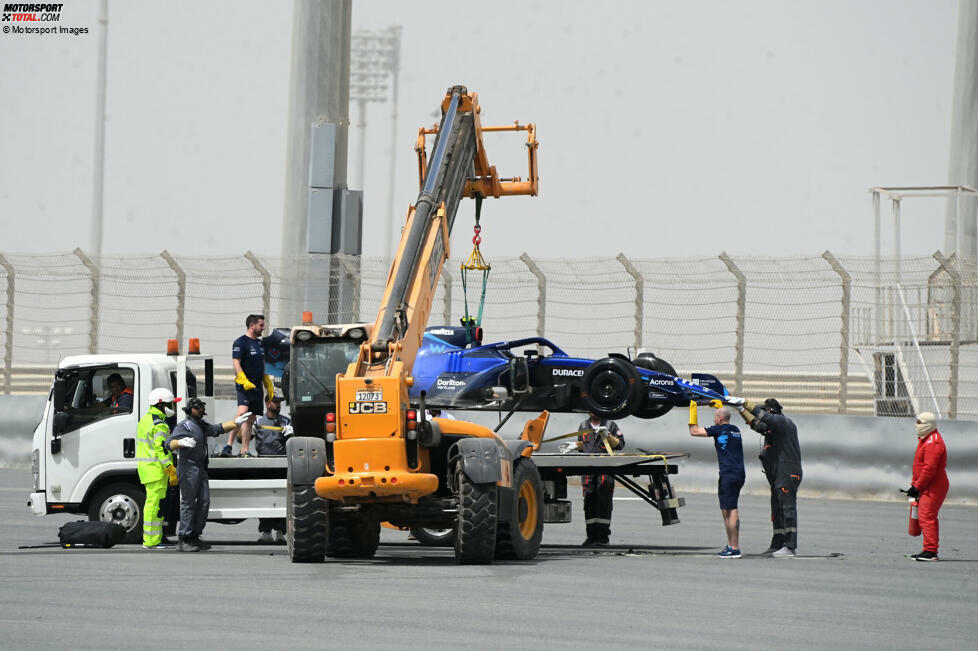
x,y
653,363
518,534
612,387
475,539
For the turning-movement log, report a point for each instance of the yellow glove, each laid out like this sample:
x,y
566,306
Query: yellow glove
x,y
245,383
171,474
269,387
613,441
716,404
692,413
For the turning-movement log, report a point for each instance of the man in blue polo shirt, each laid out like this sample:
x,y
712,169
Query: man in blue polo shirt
x,y
248,358
730,458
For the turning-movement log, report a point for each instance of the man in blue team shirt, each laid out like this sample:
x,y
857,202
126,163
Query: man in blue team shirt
x,y
730,457
248,358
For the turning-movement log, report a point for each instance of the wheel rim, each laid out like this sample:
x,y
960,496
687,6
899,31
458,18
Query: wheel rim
x,y
527,510
120,509
609,389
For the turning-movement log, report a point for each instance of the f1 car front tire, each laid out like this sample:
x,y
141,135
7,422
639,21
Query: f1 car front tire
x,y
612,388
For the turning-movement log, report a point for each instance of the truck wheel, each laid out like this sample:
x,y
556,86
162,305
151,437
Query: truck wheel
x,y
612,388
518,535
434,537
306,524
120,504
653,363
352,536
475,541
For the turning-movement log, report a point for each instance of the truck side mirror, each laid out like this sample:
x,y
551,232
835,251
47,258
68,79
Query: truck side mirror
x,y
519,375
60,423
59,394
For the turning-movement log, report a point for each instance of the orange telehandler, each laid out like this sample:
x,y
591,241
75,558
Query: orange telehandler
x,y
379,459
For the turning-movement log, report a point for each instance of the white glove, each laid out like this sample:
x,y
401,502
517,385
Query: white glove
x,y
187,442
734,400
242,418
569,446
601,431
287,431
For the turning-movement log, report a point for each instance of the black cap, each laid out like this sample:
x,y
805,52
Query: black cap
x,y
772,405
274,399
195,403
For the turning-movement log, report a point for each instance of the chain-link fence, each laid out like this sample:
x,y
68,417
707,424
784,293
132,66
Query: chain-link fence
x,y
824,334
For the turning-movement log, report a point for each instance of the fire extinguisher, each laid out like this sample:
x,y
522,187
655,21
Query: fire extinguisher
x,y
913,527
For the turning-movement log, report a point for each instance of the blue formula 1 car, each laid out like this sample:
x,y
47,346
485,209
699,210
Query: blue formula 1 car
x,y
534,374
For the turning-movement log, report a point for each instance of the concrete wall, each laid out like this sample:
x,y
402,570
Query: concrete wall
x,y
843,456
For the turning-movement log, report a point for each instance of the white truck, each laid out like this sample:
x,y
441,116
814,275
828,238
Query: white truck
x,y
83,458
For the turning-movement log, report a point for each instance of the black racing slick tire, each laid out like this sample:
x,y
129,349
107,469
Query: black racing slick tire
x,y
475,540
653,410
434,537
612,388
351,536
518,533
306,518
120,504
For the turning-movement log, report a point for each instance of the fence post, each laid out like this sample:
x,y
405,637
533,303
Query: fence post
x,y
952,394
447,280
639,297
94,273
541,292
741,319
844,331
8,347
181,292
266,285
351,264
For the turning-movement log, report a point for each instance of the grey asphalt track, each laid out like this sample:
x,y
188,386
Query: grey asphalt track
x,y
853,586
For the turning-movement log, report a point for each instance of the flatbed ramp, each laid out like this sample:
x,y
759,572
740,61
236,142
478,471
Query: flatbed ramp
x,y
625,468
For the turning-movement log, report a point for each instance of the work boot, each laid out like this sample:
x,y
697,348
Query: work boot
x,y
187,545
202,544
784,552
266,538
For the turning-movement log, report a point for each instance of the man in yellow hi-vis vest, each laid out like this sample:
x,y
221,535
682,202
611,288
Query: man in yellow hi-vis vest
x,y
155,463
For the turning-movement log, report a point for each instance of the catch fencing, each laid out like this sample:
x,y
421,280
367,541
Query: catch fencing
x,y
824,334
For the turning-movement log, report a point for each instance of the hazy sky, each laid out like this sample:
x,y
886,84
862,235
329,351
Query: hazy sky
x,y
666,128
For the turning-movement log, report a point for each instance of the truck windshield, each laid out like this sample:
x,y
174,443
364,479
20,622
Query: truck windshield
x,y
315,365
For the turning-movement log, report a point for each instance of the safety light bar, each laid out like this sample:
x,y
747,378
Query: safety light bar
x,y
172,347
193,347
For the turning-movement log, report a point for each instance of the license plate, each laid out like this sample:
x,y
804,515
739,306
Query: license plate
x,y
369,395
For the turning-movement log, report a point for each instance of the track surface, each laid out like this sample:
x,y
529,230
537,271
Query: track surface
x,y
852,587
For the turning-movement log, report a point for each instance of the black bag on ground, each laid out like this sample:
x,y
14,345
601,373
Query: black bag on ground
x,y
91,534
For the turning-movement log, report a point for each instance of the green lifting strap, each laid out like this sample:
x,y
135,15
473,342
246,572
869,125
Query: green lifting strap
x,y
475,263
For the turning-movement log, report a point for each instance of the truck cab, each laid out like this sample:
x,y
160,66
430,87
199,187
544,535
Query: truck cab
x,y
84,448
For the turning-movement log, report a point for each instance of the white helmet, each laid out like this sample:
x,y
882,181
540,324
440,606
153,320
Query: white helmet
x,y
156,396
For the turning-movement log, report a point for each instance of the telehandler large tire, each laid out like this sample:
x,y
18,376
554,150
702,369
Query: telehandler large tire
x,y
351,536
518,533
306,519
475,539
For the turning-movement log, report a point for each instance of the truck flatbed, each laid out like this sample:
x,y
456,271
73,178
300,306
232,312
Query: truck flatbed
x,y
623,467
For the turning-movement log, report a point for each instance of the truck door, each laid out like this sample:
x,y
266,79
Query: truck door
x,y
94,425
